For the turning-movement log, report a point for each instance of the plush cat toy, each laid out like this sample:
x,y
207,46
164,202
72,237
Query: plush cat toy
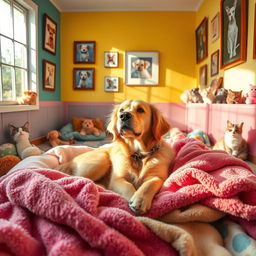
x,y
191,96
233,142
21,136
234,97
221,96
250,96
207,95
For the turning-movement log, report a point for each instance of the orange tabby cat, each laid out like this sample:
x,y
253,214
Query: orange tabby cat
x,y
234,97
232,142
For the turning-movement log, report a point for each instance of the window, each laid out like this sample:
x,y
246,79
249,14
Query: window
x,y
18,51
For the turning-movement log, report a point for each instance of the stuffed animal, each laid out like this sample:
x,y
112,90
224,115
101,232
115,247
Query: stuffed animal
x,y
28,98
199,135
192,96
53,137
87,127
235,97
7,162
21,136
250,96
207,95
221,95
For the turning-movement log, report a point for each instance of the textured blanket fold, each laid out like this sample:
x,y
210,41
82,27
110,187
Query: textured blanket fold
x,y
46,212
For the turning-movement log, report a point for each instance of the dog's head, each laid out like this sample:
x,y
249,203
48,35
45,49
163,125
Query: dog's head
x,y
84,48
136,119
140,64
84,75
231,11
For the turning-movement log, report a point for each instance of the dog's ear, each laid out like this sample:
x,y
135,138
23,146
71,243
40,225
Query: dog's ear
x,y
88,47
88,74
79,73
134,64
113,122
227,9
159,125
146,64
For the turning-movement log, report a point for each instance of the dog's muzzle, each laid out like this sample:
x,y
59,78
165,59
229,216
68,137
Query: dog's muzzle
x,y
126,122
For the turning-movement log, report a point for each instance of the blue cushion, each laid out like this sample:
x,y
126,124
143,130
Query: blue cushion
x,y
67,133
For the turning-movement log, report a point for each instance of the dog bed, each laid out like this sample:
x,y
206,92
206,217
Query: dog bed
x,y
68,133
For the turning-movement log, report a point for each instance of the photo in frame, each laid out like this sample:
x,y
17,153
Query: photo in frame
x,y
202,41
203,75
215,63
233,32
50,34
142,68
84,52
215,28
49,75
110,59
83,78
111,84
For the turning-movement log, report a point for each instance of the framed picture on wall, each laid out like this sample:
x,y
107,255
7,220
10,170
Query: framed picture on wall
x,y
110,59
111,83
50,34
254,39
233,32
202,41
141,68
215,25
203,75
215,63
84,52
49,75
83,78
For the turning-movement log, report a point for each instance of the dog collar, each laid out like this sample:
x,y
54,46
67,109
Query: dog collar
x,y
139,156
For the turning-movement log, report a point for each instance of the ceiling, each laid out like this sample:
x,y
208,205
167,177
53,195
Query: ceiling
x,y
126,5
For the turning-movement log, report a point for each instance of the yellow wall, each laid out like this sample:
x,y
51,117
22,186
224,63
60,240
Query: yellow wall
x,y
238,77
170,33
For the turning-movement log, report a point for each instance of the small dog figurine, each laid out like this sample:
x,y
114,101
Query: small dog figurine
x,y
28,98
88,128
110,84
49,78
51,32
83,82
232,30
141,69
111,59
84,52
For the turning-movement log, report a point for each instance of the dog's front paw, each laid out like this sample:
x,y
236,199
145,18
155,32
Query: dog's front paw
x,y
139,204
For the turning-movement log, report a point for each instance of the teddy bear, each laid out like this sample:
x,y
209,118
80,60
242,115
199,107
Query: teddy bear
x,y
28,98
250,96
53,137
87,127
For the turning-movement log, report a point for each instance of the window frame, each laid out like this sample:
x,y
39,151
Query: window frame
x,y
32,18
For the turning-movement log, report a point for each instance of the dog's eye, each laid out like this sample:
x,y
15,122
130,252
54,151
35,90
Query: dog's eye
x,y
140,110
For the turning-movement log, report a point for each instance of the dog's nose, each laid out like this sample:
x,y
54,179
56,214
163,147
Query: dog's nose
x,y
125,116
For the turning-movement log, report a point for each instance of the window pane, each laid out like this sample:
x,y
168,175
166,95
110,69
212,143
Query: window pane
x,y
20,81
19,24
7,73
6,18
6,51
20,55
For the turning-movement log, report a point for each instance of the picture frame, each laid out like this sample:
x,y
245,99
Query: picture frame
x,y
49,34
142,68
215,63
233,35
111,84
83,78
202,41
254,36
84,52
215,28
203,75
111,59
49,75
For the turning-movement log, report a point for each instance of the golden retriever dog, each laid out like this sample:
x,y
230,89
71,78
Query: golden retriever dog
x,y
136,163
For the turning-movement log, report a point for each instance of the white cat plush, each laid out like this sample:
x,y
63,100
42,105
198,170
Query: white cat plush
x,y
207,95
21,136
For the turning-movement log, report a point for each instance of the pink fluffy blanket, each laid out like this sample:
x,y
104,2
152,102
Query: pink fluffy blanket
x,y
44,212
